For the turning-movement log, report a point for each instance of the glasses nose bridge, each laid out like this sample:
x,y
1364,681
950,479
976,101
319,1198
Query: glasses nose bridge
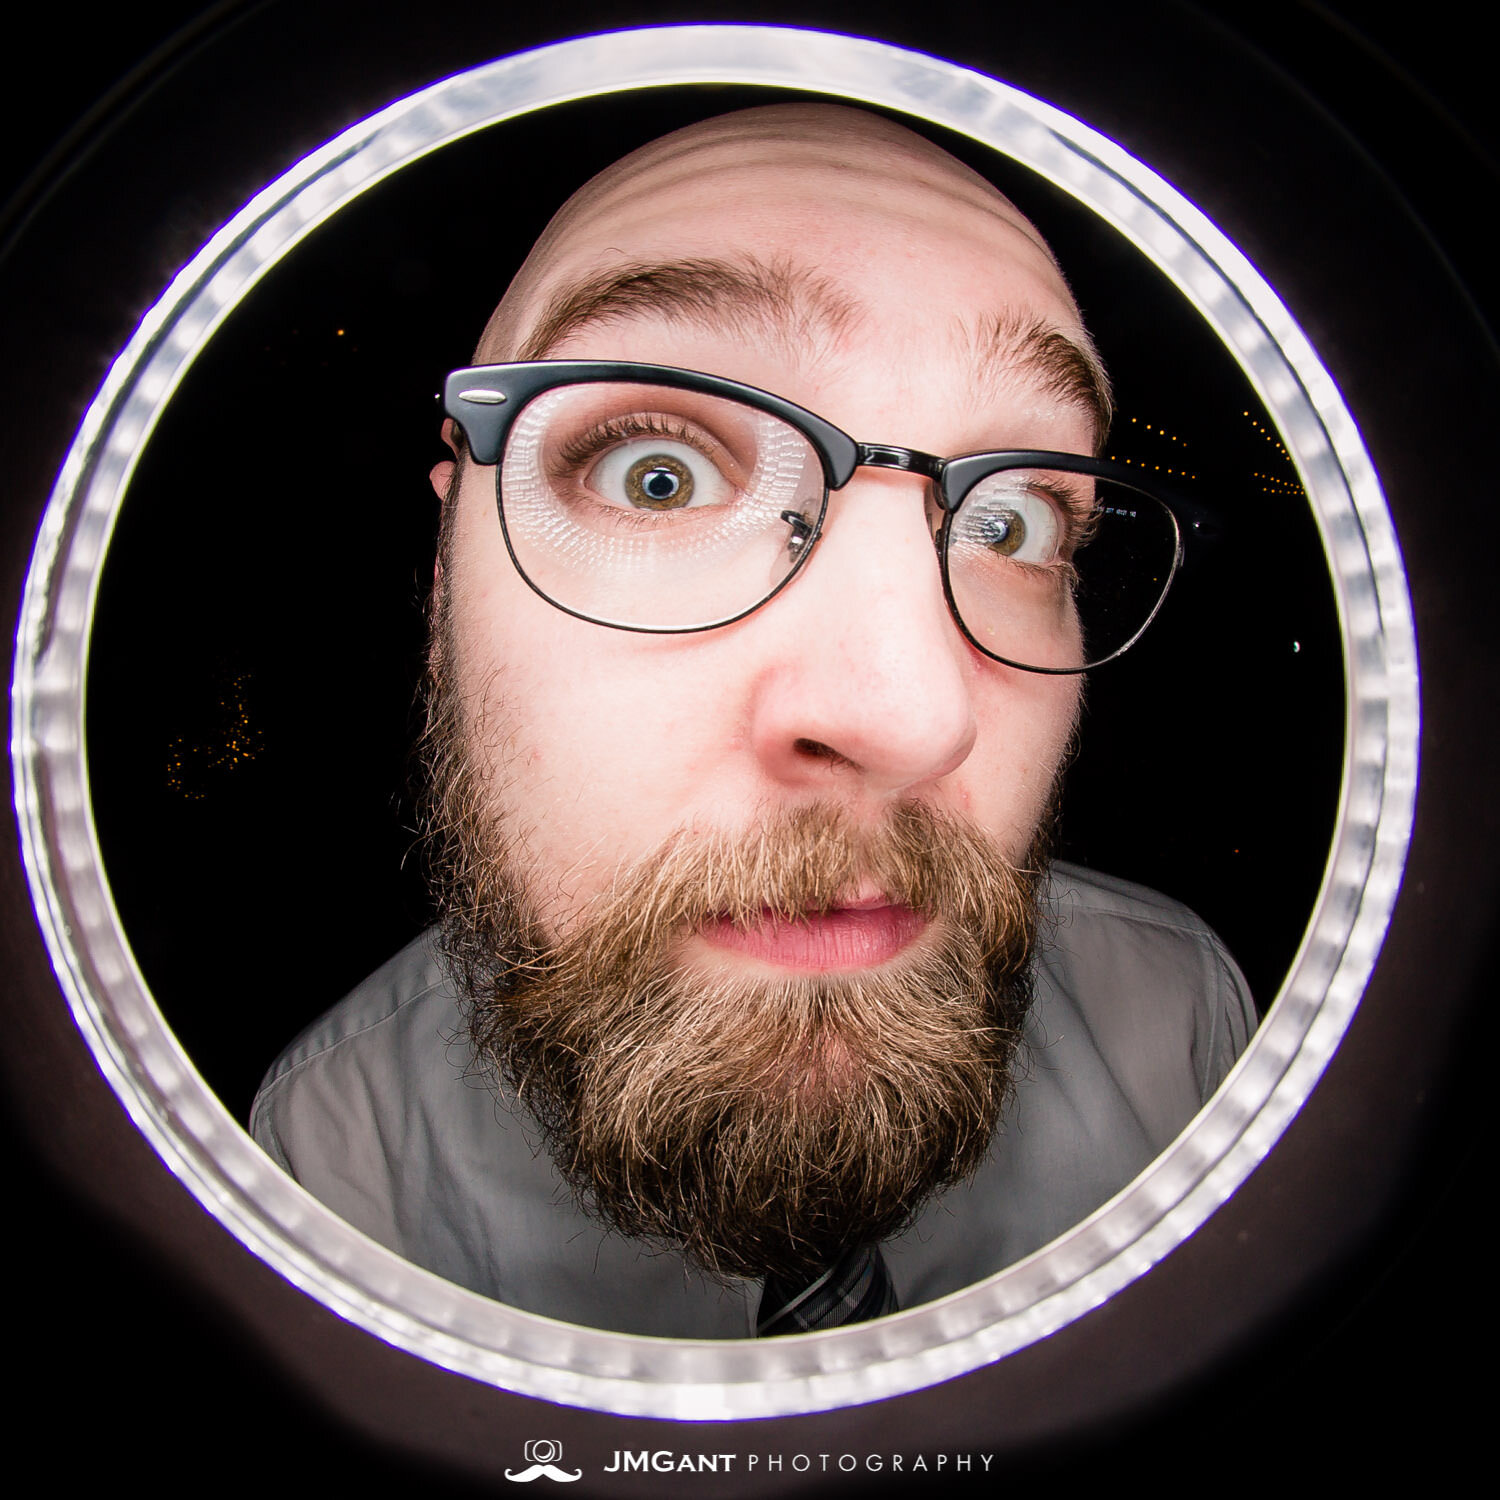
x,y
927,466
907,460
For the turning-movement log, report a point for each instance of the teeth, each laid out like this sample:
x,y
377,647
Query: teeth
x,y
865,902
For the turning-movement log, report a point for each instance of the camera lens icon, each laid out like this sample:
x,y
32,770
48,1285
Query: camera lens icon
x,y
543,1451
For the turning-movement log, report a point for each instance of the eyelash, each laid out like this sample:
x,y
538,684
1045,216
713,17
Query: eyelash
x,y
1080,522
578,453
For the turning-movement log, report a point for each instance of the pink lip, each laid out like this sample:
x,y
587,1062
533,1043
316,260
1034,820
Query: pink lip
x,y
858,936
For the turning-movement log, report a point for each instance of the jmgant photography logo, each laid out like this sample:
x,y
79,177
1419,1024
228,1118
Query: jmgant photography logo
x,y
541,1455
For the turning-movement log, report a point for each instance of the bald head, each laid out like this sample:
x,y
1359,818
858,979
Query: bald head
x,y
797,222
809,164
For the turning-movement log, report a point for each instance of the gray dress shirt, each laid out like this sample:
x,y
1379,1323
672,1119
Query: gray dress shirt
x,y
378,1111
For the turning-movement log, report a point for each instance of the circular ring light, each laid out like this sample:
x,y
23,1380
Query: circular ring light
x,y
446,1324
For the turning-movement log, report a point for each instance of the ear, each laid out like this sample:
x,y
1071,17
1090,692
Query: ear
x,y
441,476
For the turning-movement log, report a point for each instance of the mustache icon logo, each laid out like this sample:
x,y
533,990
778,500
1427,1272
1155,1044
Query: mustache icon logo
x,y
541,1454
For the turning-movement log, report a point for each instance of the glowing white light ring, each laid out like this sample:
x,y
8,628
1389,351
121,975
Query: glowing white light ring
x,y
416,1311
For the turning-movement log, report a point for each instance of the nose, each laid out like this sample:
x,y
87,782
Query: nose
x,y
867,675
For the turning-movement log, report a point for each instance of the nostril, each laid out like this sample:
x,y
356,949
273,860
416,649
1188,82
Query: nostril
x,y
817,750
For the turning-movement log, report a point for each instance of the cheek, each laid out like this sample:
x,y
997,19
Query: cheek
x,y
1025,728
605,771
596,738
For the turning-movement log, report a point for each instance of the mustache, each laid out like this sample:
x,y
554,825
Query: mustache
x,y
803,862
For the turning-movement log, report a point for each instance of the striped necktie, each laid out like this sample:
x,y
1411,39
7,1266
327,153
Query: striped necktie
x,y
855,1288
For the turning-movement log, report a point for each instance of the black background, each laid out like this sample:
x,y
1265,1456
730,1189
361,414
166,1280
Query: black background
x,y
151,1345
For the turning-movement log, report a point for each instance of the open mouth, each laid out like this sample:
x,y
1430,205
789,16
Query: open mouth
x,y
859,935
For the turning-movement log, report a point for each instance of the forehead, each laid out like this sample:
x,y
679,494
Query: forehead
x,y
902,236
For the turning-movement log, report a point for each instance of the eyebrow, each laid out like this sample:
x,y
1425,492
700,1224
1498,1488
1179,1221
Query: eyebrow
x,y
737,296
1063,365
803,311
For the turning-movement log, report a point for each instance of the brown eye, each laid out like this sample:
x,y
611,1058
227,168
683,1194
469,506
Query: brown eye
x,y
659,482
660,474
1005,532
1008,516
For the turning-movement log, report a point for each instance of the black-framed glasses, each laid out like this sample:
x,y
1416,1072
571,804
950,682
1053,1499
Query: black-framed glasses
x,y
644,497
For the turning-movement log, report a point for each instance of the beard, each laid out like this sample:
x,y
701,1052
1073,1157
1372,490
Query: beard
x,y
758,1125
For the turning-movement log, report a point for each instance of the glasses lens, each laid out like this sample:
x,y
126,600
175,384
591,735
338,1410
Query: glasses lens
x,y
641,505
1057,570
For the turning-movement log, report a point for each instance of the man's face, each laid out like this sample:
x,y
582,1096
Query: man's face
x,y
854,686
818,1048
